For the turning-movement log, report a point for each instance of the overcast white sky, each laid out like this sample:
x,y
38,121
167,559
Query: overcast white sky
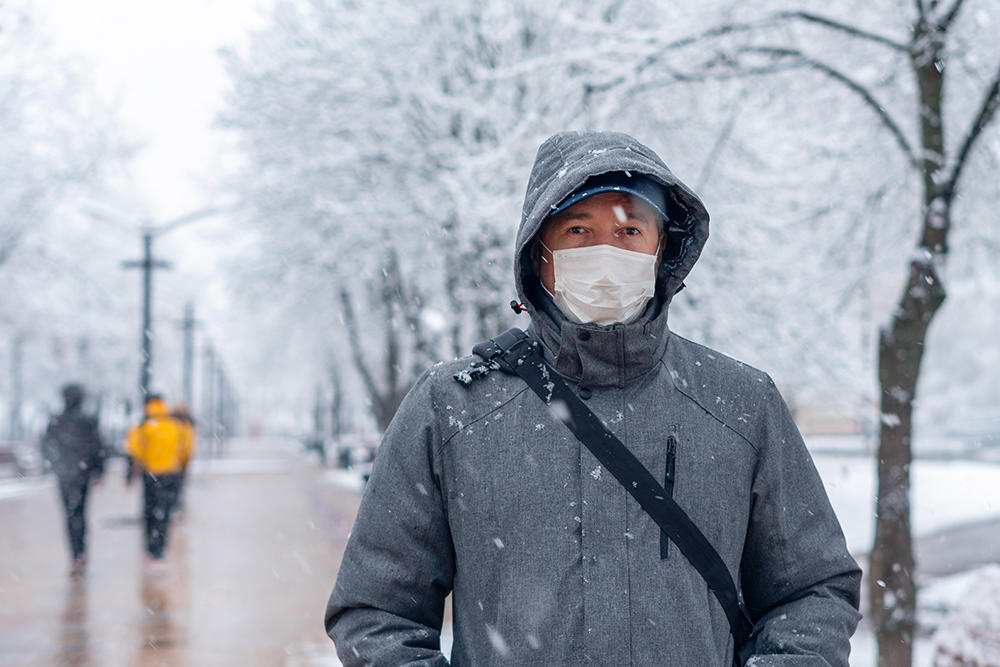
x,y
158,62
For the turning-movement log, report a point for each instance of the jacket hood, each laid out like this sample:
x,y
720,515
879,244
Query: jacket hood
x,y
591,354
564,163
157,407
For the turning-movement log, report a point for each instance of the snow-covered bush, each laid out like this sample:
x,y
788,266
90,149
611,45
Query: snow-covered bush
x,y
970,634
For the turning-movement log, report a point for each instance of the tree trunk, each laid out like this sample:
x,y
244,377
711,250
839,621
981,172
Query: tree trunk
x,y
336,403
387,392
891,580
453,278
891,584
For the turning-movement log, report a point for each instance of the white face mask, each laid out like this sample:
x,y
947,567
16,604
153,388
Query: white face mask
x,y
602,284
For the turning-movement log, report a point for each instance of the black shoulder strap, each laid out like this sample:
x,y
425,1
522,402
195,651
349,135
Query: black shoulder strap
x,y
515,352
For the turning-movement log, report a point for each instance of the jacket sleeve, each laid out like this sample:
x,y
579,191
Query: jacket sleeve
x,y
388,602
799,582
99,450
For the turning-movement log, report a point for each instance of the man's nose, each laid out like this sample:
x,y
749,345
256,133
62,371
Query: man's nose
x,y
606,237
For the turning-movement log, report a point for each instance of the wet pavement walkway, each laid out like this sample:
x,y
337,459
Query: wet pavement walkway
x,y
250,564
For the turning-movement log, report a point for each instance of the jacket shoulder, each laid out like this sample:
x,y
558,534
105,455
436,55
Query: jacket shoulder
x,y
455,403
733,392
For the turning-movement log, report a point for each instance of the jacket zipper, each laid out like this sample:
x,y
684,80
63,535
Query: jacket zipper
x,y
668,486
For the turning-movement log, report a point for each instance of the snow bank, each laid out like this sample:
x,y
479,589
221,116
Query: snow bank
x,y
945,493
970,633
18,486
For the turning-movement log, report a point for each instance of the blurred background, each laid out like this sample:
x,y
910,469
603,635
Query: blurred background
x,y
282,211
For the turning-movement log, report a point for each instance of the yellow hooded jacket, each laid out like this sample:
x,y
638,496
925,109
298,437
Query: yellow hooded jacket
x,y
161,444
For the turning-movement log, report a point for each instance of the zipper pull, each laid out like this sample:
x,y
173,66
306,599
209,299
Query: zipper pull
x,y
668,486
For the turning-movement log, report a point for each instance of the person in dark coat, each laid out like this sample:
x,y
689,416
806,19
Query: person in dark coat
x,y
73,449
481,492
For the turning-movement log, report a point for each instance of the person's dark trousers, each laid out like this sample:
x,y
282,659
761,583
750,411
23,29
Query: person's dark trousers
x,y
160,493
74,497
181,483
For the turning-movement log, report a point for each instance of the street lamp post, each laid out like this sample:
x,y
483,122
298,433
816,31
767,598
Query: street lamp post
x,y
188,326
147,264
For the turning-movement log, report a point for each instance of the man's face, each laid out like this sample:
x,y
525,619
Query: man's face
x,y
610,218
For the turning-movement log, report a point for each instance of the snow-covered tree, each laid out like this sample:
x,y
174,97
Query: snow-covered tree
x,y
409,138
55,141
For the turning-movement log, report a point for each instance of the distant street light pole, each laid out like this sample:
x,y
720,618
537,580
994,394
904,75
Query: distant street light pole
x,y
147,264
209,407
188,326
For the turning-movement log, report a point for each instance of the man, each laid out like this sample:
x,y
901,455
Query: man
x,y
73,448
479,491
160,446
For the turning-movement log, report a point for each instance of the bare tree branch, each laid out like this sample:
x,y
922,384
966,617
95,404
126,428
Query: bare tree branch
x,y
717,31
921,10
950,15
706,73
18,219
387,296
986,112
410,305
351,322
727,130
651,59
853,85
844,27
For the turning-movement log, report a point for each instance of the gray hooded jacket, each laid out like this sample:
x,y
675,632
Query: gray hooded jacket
x,y
479,492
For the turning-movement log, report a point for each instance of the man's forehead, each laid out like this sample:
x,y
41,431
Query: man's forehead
x,y
622,204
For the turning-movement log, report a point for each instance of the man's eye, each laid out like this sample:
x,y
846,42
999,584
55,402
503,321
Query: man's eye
x,y
575,229
631,231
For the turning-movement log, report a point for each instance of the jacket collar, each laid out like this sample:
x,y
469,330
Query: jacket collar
x,y
600,356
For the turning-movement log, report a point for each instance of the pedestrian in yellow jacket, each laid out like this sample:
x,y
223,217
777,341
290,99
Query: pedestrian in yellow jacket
x,y
161,446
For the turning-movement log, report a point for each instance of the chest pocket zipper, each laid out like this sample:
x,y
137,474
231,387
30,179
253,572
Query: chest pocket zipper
x,y
668,485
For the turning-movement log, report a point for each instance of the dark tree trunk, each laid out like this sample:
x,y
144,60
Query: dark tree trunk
x,y
399,315
891,577
336,403
891,584
453,283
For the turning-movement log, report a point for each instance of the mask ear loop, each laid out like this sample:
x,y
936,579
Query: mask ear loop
x,y
542,257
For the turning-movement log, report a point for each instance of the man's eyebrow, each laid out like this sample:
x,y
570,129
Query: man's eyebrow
x,y
572,215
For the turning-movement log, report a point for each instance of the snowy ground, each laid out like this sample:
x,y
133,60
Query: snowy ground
x,y
13,487
945,493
